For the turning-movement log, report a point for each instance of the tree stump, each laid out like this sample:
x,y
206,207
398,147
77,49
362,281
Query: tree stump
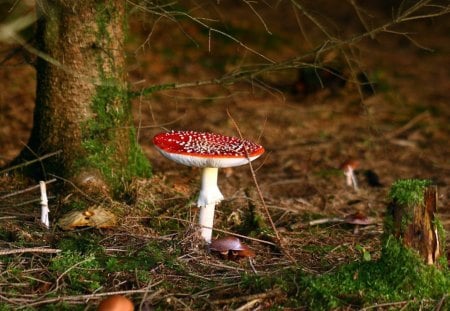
x,y
414,223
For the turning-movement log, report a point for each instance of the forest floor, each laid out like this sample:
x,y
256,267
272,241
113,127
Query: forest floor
x,y
399,131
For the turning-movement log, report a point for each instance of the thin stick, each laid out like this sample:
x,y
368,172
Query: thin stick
x,y
220,230
4,252
8,217
261,197
411,123
441,303
295,62
387,304
26,189
229,301
325,221
30,162
84,297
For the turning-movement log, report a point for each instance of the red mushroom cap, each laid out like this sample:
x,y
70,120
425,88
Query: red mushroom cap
x,y
202,149
351,163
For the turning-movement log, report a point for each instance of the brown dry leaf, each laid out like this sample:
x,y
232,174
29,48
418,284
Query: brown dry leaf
x,y
97,217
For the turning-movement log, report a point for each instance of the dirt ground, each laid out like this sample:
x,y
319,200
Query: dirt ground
x,y
400,131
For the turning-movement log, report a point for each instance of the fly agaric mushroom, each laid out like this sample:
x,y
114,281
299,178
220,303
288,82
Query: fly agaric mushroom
x,y
348,167
210,152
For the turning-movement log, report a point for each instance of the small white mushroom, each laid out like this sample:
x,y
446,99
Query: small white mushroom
x,y
348,167
44,205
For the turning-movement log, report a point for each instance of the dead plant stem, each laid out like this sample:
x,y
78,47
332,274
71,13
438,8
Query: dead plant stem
x,y
26,189
4,252
268,294
81,297
30,162
261,197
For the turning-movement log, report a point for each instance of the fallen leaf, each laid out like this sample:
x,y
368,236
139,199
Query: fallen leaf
x,y
96,217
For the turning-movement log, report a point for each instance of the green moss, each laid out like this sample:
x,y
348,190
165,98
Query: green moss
x,y
81,271
151,90
82,242
138,164
108,138
103,19
408,192
399,275
145,259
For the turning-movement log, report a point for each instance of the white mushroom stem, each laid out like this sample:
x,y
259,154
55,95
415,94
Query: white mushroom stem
x,y
350,177
209,196
44,205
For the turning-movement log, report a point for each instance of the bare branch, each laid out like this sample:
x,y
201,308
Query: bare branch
x,y
258,15
30,162
248,73
171,15
26,190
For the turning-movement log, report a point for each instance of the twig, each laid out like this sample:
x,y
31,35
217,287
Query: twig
x,y
171,15
16,26
248,305
420,117
30,162
4,252
258,15
261,197
83,297
26,189
150,298
441,303
381,306
31,201
75,187
228,301
295,62
8,217
220,230
325,221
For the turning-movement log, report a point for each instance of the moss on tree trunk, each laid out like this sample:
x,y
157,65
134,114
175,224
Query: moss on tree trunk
x,y
412,218
82,104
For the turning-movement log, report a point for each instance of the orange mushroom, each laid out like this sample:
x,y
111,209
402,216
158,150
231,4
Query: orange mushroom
x,y
116,303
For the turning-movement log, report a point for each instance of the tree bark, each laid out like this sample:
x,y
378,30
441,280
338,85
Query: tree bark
x,y
82,105
415,226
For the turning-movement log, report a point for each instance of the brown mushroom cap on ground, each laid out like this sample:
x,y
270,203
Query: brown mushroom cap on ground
x,y
231,247
116,303
358,218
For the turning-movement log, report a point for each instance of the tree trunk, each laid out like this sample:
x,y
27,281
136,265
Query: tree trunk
x,y
82,104
415,225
